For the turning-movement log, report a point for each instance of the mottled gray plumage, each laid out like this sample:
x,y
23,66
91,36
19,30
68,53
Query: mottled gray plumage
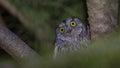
x,y
71,35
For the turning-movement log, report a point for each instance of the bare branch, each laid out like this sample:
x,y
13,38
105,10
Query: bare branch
x,y
15,46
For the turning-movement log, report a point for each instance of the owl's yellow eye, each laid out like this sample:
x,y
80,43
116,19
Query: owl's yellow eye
x,y
62,30
73,23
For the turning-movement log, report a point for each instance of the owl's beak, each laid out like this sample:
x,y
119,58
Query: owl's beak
x,y
69,31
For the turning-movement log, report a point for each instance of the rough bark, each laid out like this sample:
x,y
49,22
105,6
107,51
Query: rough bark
x,y
15,46
102,16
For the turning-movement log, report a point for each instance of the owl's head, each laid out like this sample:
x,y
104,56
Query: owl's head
x,y
71,28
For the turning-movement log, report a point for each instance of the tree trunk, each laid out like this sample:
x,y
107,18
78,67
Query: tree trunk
x,y
102,16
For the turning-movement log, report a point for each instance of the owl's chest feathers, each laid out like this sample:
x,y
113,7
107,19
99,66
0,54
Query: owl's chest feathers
x,y
73,41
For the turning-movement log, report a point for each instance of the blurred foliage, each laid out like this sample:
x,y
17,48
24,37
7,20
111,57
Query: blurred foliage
x,y
44,15
104,53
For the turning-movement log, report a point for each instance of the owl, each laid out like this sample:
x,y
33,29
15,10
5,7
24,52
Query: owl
x,y
71,35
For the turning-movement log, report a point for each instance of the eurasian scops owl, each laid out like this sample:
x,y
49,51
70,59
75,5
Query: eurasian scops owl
x,y
71,35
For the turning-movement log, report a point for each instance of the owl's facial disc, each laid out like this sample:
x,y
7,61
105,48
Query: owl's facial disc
x,y
70,30
73,28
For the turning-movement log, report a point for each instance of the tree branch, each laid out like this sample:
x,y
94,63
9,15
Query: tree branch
x,y
15,46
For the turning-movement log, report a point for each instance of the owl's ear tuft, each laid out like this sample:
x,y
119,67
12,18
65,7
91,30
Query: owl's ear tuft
x,y
64,21
57,25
